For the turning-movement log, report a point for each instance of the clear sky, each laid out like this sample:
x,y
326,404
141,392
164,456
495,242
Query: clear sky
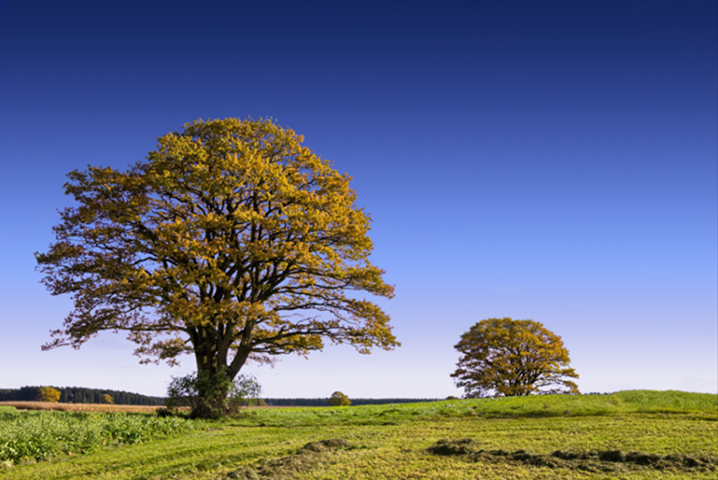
x,y
549,160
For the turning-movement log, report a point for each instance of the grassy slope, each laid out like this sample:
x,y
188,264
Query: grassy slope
x,y
391,440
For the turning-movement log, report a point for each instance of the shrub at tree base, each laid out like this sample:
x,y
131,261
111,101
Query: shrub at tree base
x,y
213,396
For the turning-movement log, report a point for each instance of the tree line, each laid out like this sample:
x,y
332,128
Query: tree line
x,y
92,395
80,395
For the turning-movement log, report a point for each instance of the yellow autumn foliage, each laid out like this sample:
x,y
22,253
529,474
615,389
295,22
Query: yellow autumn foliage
x,y
505,357
338,399
232,241
49,394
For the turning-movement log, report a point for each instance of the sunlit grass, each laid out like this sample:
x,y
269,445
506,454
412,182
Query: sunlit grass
x,y
668,401
391,441
635,401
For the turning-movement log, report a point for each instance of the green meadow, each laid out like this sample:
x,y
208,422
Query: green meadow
x,y
631,435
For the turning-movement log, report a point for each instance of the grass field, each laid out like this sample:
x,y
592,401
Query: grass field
x,y
631,435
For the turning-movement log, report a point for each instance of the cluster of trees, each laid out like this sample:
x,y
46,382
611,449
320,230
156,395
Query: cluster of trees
x,y
81,395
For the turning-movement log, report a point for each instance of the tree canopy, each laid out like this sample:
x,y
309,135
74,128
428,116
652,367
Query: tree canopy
x,y
338,399
48,394
232,242
505,357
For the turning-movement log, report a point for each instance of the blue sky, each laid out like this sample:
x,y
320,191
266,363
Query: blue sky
x,y
551,160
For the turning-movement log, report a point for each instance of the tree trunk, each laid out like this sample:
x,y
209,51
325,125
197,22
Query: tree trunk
x,y
215,370
212,382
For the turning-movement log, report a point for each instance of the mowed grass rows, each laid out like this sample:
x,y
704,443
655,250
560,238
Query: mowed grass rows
x,y
392,441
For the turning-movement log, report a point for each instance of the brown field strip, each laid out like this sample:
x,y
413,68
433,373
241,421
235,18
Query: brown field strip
x,y
81,407
97,407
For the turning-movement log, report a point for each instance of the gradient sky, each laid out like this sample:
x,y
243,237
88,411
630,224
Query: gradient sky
x,y
550,160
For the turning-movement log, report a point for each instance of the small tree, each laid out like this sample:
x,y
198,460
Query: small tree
x,y
505,357
106,398
49,394
338,399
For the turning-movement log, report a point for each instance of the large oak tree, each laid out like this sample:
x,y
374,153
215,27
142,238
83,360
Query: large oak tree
x,y
505,357
231,242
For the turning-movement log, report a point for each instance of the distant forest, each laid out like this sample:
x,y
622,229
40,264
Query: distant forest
x,y
92,395
80,395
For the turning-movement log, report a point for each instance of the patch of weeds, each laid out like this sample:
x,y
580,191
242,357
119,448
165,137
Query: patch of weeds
x,y
598,461
289,467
